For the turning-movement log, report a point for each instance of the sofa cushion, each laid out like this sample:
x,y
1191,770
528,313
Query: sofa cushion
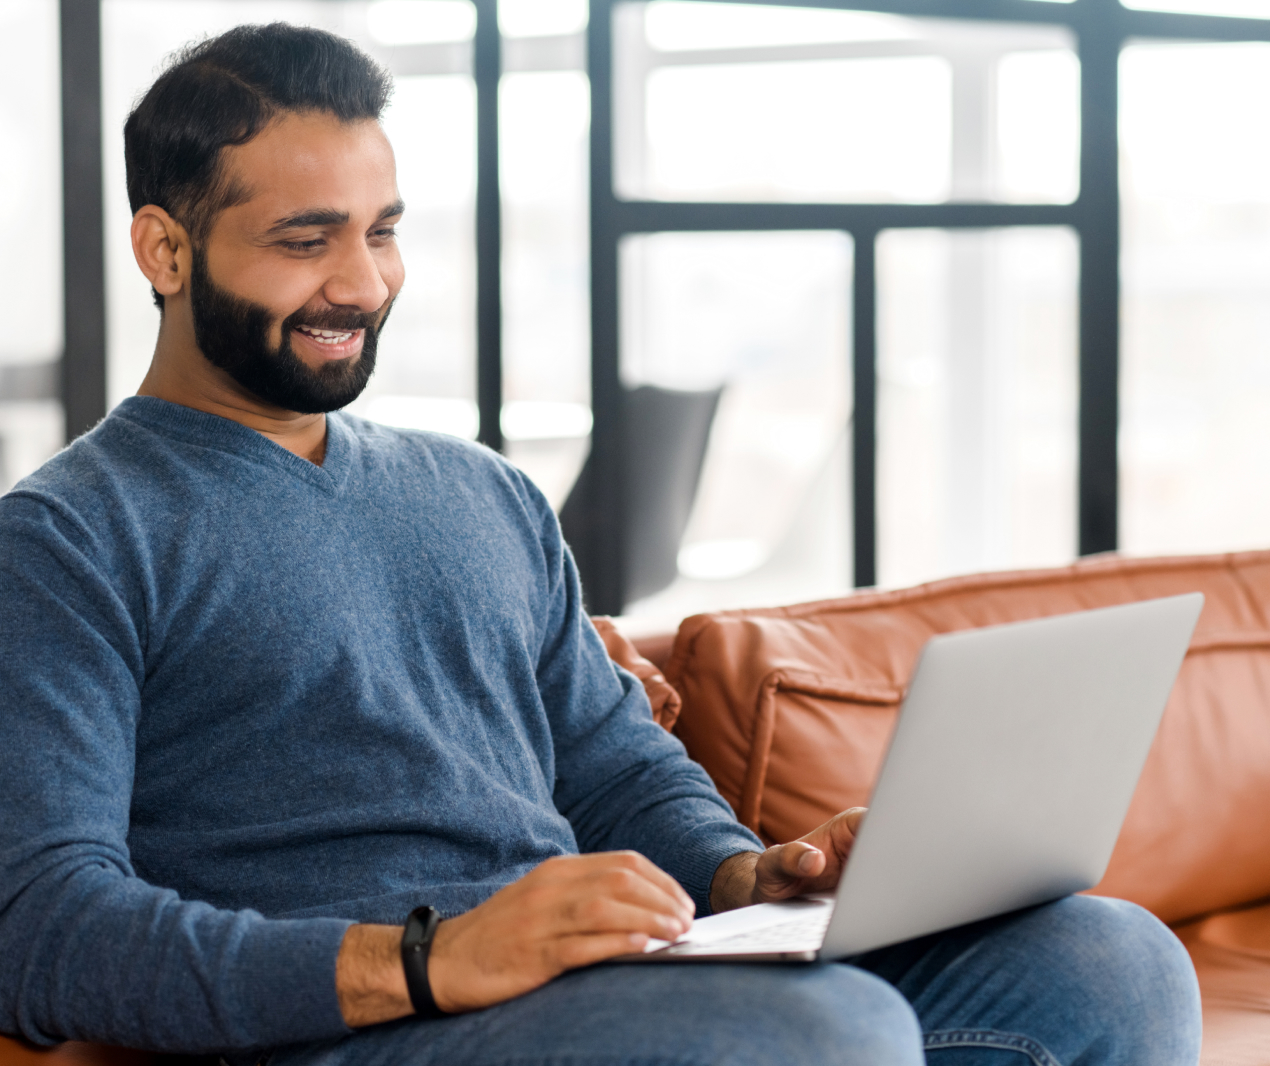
x,y
14,1052
790,710
662,697
1231,952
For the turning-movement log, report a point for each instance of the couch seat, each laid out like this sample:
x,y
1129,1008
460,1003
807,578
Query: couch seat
x,y
1231,952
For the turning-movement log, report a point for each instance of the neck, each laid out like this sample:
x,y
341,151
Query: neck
x,y
181,374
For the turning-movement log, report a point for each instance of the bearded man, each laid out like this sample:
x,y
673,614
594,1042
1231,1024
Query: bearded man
x,y
273,678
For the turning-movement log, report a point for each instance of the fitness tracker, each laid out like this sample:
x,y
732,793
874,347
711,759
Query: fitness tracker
x,y
416,943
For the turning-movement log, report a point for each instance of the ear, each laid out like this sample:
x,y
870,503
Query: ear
x,y
162,249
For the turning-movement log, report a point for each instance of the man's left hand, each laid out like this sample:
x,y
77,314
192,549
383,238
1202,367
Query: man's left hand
x,y
812,863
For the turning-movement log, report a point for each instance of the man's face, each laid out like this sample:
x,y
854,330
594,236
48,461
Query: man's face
x,y
291,287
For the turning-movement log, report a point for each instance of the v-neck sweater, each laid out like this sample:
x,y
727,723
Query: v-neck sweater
x,y
246,700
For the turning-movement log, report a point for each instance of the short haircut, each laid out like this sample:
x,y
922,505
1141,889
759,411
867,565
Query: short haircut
x,y
223,91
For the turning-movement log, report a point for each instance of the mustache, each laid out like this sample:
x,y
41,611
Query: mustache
x,y
336,319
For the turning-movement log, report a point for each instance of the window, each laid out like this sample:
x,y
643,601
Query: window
x,y
546,423
1195,434
894,146
976,401
717,101
30,220
766,318
870,128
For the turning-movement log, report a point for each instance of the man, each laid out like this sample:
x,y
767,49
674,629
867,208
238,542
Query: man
x,y
273,677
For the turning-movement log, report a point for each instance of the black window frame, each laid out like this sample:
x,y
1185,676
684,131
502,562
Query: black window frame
x,y
1100,29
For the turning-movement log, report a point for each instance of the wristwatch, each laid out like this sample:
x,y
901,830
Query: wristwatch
x,y
416,943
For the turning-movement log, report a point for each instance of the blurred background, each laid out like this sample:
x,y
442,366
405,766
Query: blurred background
x,y
830,297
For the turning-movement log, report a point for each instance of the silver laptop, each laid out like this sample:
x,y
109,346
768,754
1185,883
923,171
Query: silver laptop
x,y
1016,754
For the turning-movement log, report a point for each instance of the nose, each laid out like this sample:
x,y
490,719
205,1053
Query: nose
x,y
357,281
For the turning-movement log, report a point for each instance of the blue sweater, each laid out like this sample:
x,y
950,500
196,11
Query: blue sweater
x,y
246,701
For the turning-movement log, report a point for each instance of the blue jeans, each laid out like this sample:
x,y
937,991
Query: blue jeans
x,y
1072,983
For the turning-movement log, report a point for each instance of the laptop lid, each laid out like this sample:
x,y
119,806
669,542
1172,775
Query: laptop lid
x,y
1011,769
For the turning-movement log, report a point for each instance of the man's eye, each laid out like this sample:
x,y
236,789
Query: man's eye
x,y
303,246
387,233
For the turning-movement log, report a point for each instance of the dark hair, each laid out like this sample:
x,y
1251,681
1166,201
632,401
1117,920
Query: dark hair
x,y
224,91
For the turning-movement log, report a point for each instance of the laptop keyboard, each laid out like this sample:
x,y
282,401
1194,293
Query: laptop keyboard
x,y
804,933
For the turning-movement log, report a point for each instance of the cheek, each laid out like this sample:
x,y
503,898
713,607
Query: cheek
x,y
282,293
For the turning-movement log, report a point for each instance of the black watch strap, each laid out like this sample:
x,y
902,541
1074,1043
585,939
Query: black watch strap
x,y
416,944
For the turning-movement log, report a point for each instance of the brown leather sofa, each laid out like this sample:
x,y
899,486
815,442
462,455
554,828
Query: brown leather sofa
x,y
790,709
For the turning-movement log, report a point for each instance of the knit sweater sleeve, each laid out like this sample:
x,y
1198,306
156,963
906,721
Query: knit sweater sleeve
x,y
622,780
88,950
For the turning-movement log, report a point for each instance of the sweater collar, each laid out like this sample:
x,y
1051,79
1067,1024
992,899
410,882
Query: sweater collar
x,y
224,434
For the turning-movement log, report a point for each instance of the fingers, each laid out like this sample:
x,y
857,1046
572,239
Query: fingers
x,y
616,891
812,864
567,912
844,827
657,876
796,860
787,869
605,915
628,860
576,951
838,834
804,860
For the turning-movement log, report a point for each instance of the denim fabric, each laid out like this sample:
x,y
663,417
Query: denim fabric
x,y
1081,982
247,700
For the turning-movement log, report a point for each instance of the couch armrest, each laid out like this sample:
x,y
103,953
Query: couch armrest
x,y
14,1052
662,695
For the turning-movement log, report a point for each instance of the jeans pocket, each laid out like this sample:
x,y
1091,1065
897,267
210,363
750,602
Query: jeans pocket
x,y
993,1039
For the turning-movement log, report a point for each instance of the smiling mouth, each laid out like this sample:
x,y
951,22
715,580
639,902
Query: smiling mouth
x,y
327,336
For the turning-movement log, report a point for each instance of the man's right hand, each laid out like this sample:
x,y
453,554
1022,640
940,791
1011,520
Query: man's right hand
x,y
570,911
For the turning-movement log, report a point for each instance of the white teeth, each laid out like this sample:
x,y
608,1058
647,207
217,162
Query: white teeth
x,y
325,336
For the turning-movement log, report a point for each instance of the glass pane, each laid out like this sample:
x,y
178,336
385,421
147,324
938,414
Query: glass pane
x,y
426,369
672,26
977,386
1195,380
1256,9
749,102
765,316
545,117
420,21
429,347
541,18
754,130
1038,127
31,424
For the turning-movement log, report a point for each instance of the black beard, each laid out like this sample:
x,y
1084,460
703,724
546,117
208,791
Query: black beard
x,y
233,334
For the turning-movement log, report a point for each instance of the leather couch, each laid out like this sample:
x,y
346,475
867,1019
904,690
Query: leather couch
x,y
790,710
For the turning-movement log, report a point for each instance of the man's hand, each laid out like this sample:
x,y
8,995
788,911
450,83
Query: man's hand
x,y
568,912
810,864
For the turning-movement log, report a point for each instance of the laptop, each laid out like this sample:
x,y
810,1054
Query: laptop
x,y
1016,753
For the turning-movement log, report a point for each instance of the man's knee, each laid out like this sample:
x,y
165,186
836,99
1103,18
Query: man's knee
x,y
691,1014
1138,980
831,1013
748,1015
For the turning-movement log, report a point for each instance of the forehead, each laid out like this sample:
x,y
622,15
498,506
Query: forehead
x,y
314,160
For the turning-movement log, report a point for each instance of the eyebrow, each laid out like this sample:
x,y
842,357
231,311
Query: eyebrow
x,y
328,216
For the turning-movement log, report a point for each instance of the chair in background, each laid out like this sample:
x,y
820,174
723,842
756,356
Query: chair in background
x,y
666,436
